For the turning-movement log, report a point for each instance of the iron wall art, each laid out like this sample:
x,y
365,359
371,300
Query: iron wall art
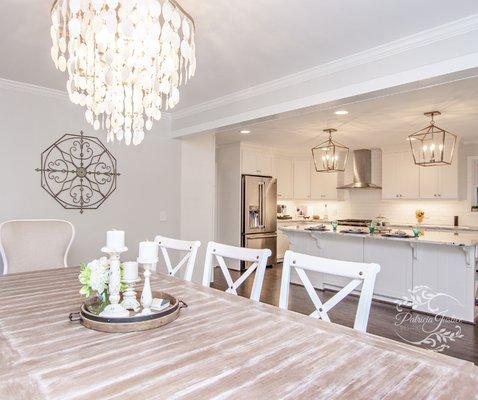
x,y
78,171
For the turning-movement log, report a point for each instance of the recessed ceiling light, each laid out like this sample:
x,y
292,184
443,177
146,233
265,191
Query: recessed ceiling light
x,y
341,112
245,132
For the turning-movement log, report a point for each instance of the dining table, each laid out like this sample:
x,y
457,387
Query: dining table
x,y
221,346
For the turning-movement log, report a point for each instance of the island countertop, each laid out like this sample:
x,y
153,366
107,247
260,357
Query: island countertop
x,y
430,236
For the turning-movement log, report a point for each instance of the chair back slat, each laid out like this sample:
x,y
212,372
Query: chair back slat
x,y
189,259
215,254
360,274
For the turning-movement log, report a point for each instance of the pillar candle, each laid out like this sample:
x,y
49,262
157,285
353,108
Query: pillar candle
x,y
115,240
130,271
148,252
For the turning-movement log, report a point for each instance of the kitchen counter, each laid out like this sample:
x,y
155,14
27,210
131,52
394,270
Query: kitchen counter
x,y
302,220
430,236
441,262
429,227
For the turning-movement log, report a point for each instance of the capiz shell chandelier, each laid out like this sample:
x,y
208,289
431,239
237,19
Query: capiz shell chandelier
x,y
125,60
432,146
330,156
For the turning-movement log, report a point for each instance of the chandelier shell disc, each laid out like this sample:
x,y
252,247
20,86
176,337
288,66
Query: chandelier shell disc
x,y
125,60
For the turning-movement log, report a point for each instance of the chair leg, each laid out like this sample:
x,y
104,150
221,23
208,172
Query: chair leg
x,y
365,302
285,282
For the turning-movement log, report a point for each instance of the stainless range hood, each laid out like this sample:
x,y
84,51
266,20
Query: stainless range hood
x,y
362,168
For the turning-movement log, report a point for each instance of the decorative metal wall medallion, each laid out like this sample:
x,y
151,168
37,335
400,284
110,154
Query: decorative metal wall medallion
x,y
78,172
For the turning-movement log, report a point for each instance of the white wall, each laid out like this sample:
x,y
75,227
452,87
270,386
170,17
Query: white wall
x,y
149,181
198,193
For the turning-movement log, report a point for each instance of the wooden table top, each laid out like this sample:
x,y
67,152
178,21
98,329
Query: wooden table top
x,y
221,347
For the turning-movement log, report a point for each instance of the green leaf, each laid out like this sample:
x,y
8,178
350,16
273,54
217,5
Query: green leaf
x,y
85,290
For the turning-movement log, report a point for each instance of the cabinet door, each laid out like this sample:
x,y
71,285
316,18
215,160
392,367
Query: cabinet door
x,y
285,178
264,164
301,179
429,182
448,181
395,260
390,184
408,176
282,244
332,246
249,162
323,186
444,271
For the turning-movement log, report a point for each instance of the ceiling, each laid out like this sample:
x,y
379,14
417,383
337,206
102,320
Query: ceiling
x,y
241,43
376,122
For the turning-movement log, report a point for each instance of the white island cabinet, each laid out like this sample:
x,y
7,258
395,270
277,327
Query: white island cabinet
x,y
435,273
450,272
396,266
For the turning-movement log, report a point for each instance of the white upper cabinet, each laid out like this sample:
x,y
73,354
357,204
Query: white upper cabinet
x,y
255,162
402,179
448,181
439,182
400,176
323,186
285,178
301,179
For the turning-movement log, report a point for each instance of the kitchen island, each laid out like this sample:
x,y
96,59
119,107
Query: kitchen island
x,y
440,265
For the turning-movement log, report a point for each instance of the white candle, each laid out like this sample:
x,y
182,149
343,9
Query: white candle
x,y
130,271
115,240
148,252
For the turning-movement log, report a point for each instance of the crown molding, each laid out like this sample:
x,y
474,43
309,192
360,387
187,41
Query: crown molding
x,y
407,43
32,89
24,87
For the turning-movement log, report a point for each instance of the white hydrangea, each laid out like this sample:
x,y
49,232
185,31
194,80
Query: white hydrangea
x,y
99,270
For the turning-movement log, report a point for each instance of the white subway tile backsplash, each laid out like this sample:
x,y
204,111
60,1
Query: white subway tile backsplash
x,y
368,204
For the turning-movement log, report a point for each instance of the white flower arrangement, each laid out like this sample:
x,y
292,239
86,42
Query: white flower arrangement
x,y
94,276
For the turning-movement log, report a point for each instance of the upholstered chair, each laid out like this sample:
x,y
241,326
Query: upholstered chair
x,y
30,245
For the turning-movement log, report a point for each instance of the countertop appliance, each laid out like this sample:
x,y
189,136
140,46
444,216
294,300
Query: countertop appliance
x,y
259,215
354,222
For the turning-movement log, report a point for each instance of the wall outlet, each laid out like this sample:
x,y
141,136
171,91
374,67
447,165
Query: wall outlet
x,y
163,216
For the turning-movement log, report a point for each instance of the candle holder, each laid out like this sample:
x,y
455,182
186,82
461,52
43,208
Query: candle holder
x,y
147,294
129,296
114,309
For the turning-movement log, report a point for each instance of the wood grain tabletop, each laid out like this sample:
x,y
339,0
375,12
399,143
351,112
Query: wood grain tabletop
x,y
221,347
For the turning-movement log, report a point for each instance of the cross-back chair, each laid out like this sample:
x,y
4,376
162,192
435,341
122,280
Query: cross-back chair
x,y
189,259
361,274
215,254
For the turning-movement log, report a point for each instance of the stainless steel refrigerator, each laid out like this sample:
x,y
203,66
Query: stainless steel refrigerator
x,y
259,215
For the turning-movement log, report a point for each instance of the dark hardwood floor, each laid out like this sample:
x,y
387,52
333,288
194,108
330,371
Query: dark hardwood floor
x,y
383,319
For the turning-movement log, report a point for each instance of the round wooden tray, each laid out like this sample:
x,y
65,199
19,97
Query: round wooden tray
x,y
135,323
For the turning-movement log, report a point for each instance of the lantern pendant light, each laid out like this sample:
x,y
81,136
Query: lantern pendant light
x,y
330,156
432,146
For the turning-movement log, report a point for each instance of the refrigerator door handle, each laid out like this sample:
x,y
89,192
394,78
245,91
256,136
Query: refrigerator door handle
x,y
261,205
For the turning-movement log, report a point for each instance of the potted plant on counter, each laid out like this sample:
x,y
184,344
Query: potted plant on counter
x,y
419,215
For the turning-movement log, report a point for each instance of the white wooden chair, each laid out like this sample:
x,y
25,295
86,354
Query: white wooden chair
x,y
35,244
258,257
360,273
189,259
